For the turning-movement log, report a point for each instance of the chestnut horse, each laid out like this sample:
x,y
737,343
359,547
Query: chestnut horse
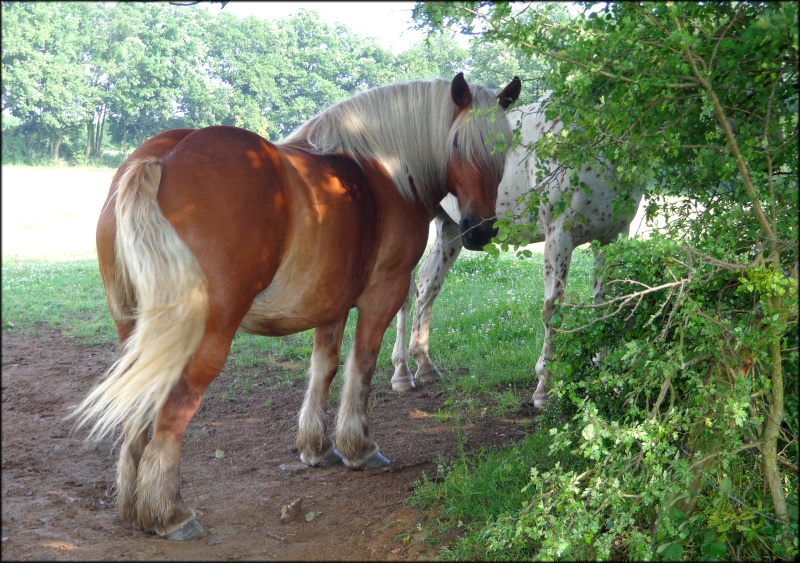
x,y
589,216
210,231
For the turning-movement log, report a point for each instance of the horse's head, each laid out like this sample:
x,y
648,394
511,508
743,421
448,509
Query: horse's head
x,y
480,138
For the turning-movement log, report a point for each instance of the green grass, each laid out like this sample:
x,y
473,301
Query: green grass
x,y
485,332
66,296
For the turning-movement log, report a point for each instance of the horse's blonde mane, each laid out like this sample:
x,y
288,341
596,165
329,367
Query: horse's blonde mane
x,y
408,128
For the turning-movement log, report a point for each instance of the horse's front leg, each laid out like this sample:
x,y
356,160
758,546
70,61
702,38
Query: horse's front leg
x,y
376,307
432,273
598,294
557,256
316,448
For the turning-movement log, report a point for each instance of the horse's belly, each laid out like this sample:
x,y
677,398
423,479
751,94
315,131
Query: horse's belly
x,y
291,306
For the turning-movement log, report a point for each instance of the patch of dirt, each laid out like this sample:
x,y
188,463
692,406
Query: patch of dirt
x,y
56,501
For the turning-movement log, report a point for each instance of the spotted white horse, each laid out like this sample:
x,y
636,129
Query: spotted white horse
x,y
588,217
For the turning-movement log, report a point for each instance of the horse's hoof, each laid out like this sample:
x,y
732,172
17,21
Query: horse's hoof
x,y
376,461
189,531
429,377
540,401
403,384
333,458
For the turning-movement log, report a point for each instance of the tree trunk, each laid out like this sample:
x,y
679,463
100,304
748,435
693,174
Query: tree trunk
x,y
98,132
55,146
124,144
773,424
89,139
102,132
102,129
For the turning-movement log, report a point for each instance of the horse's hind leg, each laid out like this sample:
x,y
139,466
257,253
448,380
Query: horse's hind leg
x,y
130,456
133,445
316,448
402,380
159,506
431,277
598,283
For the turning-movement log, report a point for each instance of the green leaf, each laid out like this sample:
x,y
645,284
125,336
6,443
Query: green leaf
x,y
671,551
715,549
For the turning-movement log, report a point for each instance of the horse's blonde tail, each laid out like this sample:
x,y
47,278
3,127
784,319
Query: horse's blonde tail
x,y
161,278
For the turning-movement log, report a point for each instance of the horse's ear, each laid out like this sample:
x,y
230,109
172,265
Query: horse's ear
x,y
510,93
459,91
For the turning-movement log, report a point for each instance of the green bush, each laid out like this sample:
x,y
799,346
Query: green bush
x,y
670,419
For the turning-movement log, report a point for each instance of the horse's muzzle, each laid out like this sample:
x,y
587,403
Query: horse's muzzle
x,y
477,232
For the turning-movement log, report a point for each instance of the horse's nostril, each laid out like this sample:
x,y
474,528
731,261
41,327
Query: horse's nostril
x,y
476,232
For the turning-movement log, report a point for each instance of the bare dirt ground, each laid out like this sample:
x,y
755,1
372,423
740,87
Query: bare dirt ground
x,y
57,503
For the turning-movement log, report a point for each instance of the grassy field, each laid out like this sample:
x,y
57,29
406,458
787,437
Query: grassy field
x,y
486,332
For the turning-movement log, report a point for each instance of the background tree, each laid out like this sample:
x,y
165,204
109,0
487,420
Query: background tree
x,y
492,63
437,56
155,55
322,67
243,63
43,74
82,77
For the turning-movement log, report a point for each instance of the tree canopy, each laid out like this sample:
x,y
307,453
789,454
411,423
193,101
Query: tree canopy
x,y
80,76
